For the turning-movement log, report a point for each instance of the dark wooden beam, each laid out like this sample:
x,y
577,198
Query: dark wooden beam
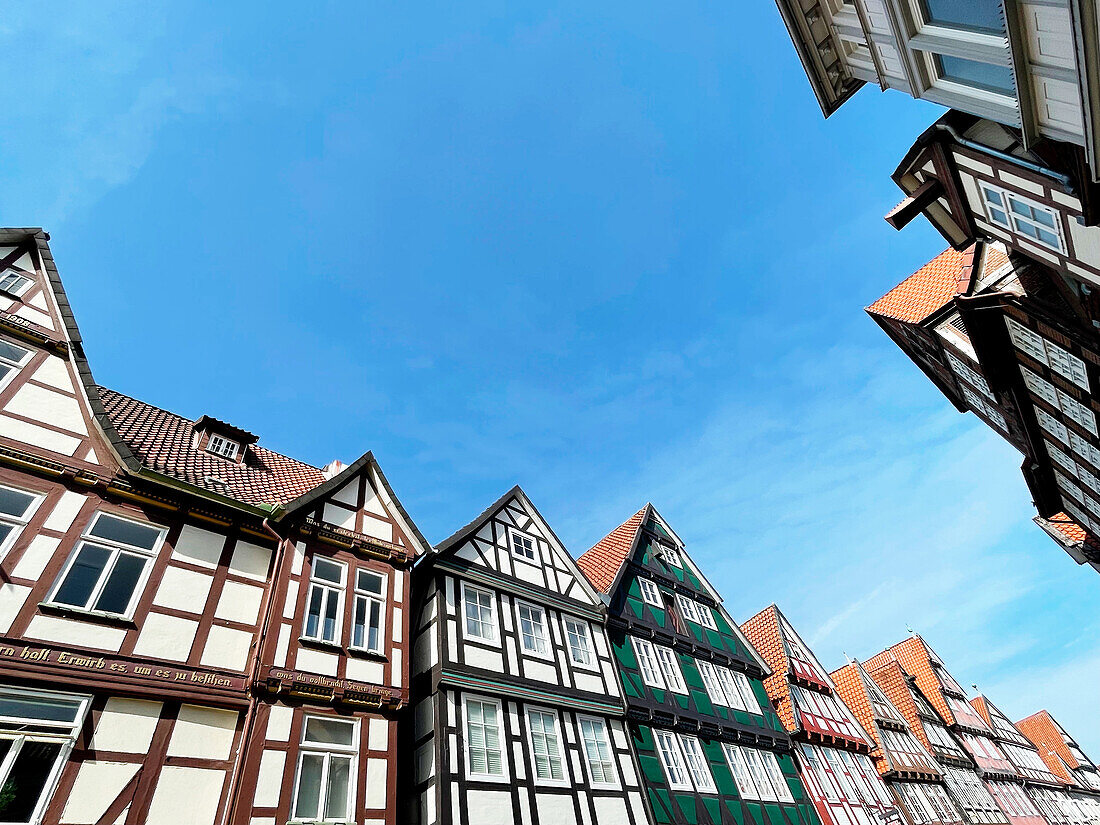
x,y
926,193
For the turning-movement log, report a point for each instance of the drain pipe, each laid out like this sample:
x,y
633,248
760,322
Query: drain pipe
x,y
1065,180
250,714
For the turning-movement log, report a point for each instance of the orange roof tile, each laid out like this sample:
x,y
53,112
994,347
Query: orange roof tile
x,y
928,289
1046,736
601,563
894,681
912,654
764,634
850,688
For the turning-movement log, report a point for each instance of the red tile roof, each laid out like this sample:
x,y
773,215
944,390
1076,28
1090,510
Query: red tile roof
x,y
764,634
1045,735
892,678
601,563
162,442
928,289
850,688
913,656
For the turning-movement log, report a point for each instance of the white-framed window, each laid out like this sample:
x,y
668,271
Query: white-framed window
x,y
744,687
597,751
710,682
368,626
12,359
16,508
759,770
651,594
579,638
325,605
1063,362
37,731
775,774
484,739
14,282
225,447
647,662
524,546
533,635
1023,216
1077,412
670,669
324,787
697,765
706,617
672,760
109,566
670,555
1052,425
729,687
687,608
480,609
546,750
740,770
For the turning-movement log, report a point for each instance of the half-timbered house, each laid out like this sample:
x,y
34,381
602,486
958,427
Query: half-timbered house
x,y
959,771
832,747
519,716
1063,757
909,770
711,748
189,632
936,683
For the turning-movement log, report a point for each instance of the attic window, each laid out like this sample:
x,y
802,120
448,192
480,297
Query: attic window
x,y
14,282
523,546
222,446
669,556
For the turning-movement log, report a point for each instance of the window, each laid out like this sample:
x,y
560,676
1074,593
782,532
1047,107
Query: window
x,y
325,606
597,751
969,15
730,688
523,546
37,731
14,282
775,774
1020,215
325,785
225,447
669,556
532,629
759,774
697,765
369,611
706,618
687,609
647,663
580,642
484,753
16,509
670,669
109,566
11,359
673,615
988,77
481,613
710,682
744,687
740,770
668,749
545,745
650,593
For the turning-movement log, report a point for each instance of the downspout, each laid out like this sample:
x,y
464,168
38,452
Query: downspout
x,y
1065,180
250,714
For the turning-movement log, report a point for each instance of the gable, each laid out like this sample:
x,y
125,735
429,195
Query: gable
x,y
512,540
23,288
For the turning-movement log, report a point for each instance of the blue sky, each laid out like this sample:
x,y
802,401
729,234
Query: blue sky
x,y
610,251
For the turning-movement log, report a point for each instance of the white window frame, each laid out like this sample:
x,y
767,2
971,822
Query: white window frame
x,y
560,750
513,533
702,610
648,664
16,366
502,738
730,688
687,608
776,775
673,674
360,595
543,636
17,523
329,590
585,634
16,273
669,750
223,447
697,764
670,555
739,770
117,549
651,594
598,724
494,622
748,696
1013,219
327,750
711,683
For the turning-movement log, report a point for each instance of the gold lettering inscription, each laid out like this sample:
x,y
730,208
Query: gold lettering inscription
x,y
83,662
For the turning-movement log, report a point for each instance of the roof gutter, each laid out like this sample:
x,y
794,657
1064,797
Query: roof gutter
x,y
1065,180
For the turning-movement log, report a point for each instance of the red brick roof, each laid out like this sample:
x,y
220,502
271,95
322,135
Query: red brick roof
x,y
162,442
892,678
928,289
850,688
601,563
763,632
912,654
1045,735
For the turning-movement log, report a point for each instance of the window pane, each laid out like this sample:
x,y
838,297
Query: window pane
x,y
27,779
308,803
327,571
321,730
973,15
978,75
125,532
82,577
39,708
11,352
336,798
332,604
313,615
14,502
369,582
121,582
359,625
374,632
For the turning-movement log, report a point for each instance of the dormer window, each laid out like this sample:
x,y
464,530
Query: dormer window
x,y
669,556
14,282
225,447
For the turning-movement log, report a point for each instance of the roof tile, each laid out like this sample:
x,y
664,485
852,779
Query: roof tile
x,y
928,289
